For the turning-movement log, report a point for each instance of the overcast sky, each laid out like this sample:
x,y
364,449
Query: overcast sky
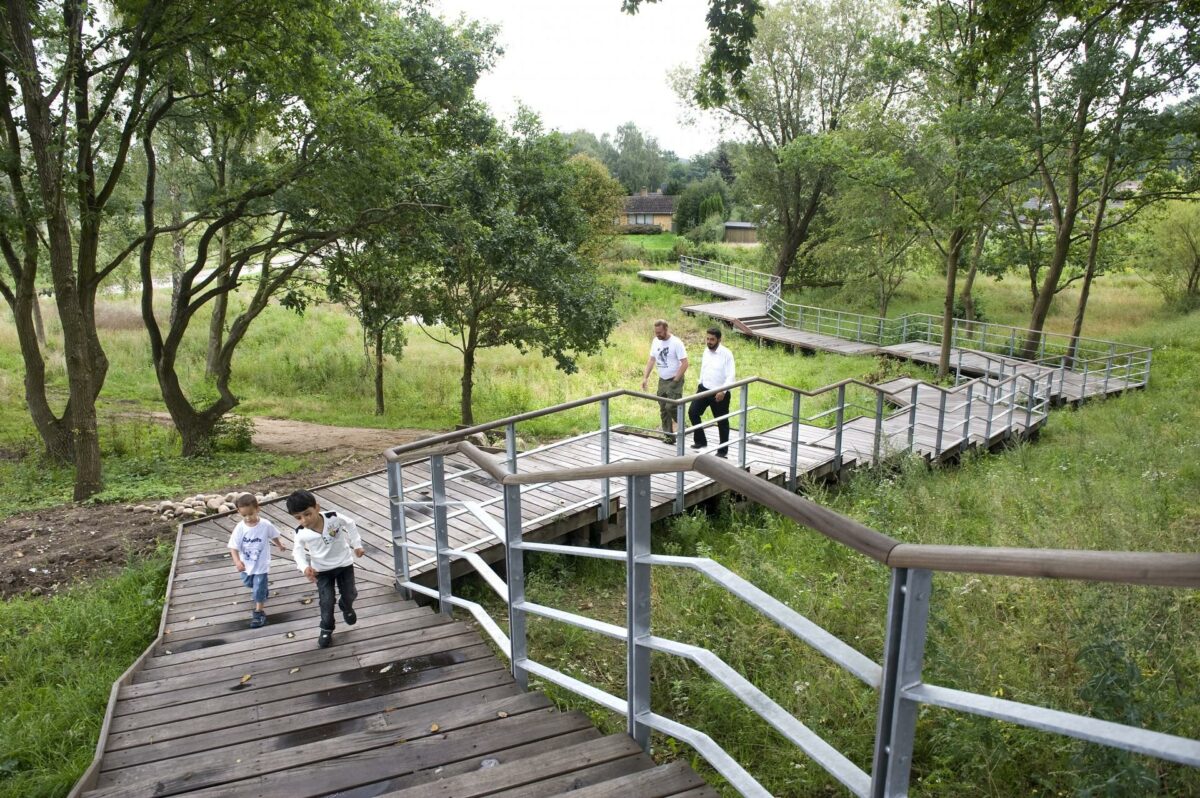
x,y
584,64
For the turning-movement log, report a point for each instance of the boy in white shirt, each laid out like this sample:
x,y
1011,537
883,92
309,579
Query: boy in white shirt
x,y
325,547
249,548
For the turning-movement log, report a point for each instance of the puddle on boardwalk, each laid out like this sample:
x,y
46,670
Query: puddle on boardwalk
x,y
375,680
196,645
322,732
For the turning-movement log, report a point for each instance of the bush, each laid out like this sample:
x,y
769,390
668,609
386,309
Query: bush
x,y
639,229
960,310
233,433
711,230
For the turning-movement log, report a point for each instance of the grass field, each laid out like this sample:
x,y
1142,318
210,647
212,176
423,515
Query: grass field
x,y
1119,474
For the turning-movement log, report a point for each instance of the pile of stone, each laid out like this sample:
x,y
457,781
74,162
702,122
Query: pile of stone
x,y
197,506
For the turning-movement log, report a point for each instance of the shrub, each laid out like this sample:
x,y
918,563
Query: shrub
x,y
639,229
233,433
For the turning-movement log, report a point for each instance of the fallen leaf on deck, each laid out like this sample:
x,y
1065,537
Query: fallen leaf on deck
x,y
246,678
291,634
502,714
385,669
294,670
434,727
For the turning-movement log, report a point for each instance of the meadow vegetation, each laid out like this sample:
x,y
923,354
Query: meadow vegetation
x,y
1116,474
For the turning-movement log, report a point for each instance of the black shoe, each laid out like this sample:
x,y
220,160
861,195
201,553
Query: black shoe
x,y
724,456
350,616
696,448
325,639
258,619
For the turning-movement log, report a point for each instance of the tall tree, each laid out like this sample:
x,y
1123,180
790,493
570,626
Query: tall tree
x,y
345,121
78,86
640,163
1090,75
507,268
812,66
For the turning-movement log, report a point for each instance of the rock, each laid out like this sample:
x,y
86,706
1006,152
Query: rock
x,y
144,508
180,508
477,439
227,508
230,498
271,495
163,506
214,504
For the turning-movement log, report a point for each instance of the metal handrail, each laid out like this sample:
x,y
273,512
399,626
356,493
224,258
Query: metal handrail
x,y
1073,350
898,678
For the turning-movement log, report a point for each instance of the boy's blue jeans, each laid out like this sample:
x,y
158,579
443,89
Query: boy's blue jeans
x,y
343,578
257,584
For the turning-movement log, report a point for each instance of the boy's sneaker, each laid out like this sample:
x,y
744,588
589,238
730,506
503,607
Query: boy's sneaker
x,y
325,639
258,619
350,616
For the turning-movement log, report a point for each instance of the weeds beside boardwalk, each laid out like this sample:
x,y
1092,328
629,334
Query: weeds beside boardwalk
x,y
1120,474
58,660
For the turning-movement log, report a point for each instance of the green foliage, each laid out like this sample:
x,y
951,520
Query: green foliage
x,y
690,209
1169,252
233,433
58,660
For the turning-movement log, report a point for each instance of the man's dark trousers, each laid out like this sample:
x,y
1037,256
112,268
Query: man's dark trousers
x,y
719,409
344,579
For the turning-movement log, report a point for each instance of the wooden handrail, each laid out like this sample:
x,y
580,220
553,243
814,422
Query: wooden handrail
x,y
1125,567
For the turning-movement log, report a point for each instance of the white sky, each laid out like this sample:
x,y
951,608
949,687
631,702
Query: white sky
x,y
584,64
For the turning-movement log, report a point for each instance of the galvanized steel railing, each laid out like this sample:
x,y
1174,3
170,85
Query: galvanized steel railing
x,y
1101,364
897,678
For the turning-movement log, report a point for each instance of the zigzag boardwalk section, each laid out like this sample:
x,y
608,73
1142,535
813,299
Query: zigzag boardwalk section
x,y
407,702
746,311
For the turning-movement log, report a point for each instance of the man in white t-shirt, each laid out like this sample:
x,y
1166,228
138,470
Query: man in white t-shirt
x,y
667,353
716,370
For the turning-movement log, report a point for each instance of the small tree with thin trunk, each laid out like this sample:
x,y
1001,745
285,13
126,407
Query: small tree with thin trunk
x,y
505,266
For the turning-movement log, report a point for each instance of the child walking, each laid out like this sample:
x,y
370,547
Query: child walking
x,y
325,547
249,547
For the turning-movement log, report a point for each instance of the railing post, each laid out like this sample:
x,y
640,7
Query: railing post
x,y
744,398
1042,347
912,418
837,438
441,531
880,333
859,339
966,428
903,657
1112,353
1083,388
794,443
1012,342
637,602
395,476
904,330
606,488
1029,404
878,425
937,447
680,442
992,397
514,565
510,446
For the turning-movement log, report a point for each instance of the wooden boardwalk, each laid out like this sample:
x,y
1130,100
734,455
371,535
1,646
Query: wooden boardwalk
x,y
405,703
746,311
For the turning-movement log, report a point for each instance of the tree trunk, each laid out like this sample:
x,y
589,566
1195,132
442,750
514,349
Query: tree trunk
x,y
379,372
797,231
953,254
468,377
967,297
216,324
39,329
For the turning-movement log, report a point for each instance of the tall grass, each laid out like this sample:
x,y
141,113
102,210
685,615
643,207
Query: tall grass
x,y
58,659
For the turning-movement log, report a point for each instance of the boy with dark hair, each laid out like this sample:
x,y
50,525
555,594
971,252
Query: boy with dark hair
x,y
249,546
325,547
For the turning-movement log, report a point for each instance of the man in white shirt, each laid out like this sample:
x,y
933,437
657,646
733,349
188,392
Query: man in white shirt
x,y
669,355
716,371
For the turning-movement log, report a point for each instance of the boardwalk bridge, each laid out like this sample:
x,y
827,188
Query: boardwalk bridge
x,y
412,702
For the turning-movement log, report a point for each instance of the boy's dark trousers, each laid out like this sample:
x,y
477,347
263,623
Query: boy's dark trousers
x,y
344,579
721,408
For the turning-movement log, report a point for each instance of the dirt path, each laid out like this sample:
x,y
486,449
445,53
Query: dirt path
x,y
43,551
